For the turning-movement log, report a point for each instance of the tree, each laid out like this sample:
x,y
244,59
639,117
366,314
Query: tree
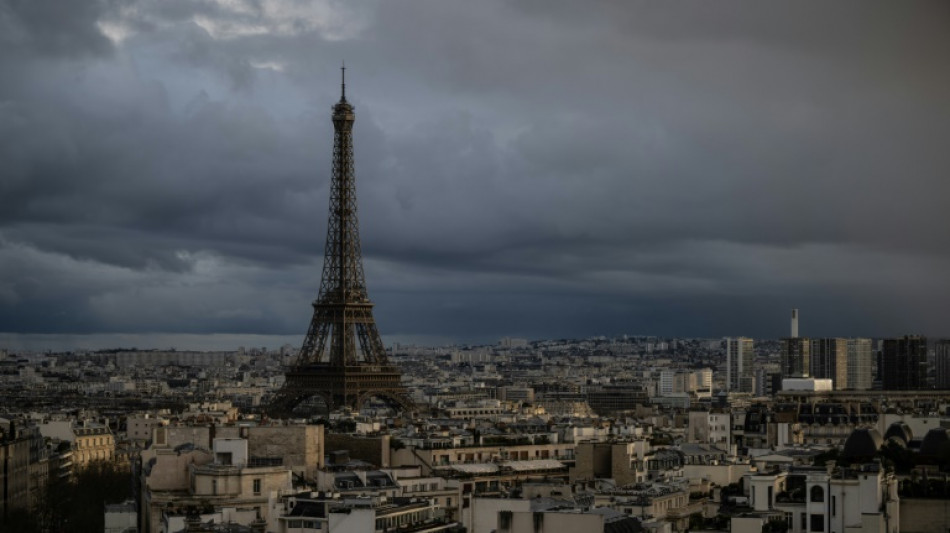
x,y
345,426
822,458
19,520
78,504
99,483
902,459
696,521
775,525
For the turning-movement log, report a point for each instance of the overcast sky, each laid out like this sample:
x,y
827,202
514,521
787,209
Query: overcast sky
x,y
536,169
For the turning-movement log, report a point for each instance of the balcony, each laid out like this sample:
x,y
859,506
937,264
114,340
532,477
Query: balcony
x,y
793,497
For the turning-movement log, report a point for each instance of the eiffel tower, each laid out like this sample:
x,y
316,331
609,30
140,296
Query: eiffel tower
x,y
342,360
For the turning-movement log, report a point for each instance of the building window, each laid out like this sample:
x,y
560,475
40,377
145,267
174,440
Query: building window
x,y
214,486
817,494
833,505
817,522
257,486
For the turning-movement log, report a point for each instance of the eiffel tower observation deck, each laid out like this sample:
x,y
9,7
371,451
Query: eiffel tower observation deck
x,y
342,361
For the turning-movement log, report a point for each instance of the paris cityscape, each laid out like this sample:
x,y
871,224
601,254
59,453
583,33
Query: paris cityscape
x,y
275,266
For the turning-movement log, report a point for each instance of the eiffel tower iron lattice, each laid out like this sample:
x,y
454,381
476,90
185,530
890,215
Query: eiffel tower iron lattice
x,y
342,359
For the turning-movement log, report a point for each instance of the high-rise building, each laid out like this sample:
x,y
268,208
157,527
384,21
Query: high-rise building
x,y
795,353
665,386
904,363
942,364
768,381
796,357
829,360
860,362
740,371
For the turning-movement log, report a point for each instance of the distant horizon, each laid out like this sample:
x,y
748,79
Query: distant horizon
x,y
57,343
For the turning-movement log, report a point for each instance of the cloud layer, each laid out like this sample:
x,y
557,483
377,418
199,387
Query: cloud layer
x,y
540,169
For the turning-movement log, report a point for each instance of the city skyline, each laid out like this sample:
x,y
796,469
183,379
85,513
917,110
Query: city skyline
x,y
541,173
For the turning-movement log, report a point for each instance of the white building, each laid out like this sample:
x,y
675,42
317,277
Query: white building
x,y
846,500
709,427
334,513
121,517
807,384
175,478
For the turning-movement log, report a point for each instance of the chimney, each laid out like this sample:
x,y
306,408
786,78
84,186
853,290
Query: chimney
x,y
794,323
830,467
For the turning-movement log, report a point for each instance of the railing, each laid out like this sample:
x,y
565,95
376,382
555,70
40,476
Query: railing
x,y
217,469
785,497
686,510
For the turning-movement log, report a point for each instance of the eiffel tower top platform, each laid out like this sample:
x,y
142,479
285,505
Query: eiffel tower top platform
x,y
342,360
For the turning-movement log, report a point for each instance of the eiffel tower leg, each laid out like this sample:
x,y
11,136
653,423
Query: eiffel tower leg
x,y
286,401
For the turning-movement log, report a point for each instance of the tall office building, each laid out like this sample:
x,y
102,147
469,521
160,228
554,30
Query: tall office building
x,y
829,360
904,363
665,386
942,364
795,353
767,380
796,357
860,362
740,358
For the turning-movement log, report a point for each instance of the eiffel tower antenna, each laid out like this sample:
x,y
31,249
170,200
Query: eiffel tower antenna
x,y
343,82
342,359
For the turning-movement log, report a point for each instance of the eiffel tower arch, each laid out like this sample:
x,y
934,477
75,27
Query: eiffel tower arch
x,y
342,360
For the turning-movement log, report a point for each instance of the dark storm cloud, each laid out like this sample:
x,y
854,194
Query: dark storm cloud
x,y
645,128
52,28
540,169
